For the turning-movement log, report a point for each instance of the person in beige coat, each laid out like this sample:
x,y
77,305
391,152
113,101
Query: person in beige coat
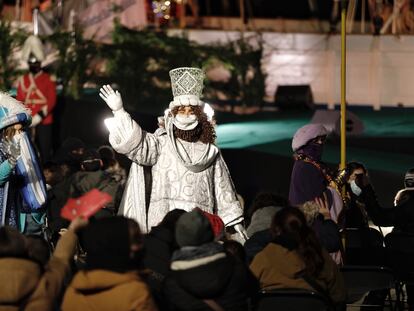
x,y
295,255
26,284
110,280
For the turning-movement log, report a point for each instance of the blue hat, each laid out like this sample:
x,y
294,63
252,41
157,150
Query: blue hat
x,y
12,112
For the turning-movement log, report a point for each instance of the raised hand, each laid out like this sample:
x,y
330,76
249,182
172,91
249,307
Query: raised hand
x,y
323,206
11,150
112,98
78,223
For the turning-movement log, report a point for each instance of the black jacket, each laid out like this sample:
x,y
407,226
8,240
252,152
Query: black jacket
x,y
404,213
366,206
218,277
159,245
84,181
256,243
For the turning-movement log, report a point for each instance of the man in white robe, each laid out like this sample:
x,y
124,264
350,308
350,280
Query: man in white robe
x,y
186,173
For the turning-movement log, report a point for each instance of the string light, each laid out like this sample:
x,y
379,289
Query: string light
x,y
162,8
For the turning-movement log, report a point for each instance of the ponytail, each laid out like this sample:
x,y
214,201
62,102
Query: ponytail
x,y
291,222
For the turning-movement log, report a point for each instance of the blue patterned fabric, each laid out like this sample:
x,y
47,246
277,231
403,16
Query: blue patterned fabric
x,y
33,189
8,202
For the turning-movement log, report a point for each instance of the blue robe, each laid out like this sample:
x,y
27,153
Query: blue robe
x,y
9,197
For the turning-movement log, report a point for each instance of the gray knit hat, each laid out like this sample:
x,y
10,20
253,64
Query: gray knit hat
x,y
193,229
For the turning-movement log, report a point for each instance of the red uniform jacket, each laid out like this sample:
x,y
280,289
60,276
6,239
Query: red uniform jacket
x,y
38,93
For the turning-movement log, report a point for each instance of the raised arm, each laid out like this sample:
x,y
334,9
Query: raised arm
x,y
125,135
12,152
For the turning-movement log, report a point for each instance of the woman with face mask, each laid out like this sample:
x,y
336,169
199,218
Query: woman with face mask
x,y
22,188
362,204
310,176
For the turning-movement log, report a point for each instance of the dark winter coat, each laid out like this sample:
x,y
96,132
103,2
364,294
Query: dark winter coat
x,y
85,181
404,213
158,246
256,243
306,183
206,272
57,197
327,232
361,209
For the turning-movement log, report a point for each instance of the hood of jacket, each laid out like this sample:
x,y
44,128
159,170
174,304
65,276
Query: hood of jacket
x,y
100,280
19,278
284,264
205,273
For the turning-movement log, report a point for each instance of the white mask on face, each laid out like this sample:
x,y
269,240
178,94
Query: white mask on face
x,y
185,123
355,189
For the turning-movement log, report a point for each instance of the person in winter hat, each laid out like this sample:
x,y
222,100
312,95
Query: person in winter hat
x,y
159,245
187,168
22,188
310,176
404,205
111,164
37,91
265,205
92,176
203,276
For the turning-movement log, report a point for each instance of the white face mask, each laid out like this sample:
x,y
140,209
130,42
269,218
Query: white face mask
x,y
355,189
185,123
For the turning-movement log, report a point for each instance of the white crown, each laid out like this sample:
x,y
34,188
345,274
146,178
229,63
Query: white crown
x,y
187,86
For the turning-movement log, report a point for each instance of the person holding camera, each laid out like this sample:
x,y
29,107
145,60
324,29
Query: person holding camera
x,y
363,204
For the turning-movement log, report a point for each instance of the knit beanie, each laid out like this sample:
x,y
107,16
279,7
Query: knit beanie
x,y
193,229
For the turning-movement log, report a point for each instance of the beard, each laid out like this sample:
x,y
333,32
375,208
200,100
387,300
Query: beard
x,y
191,136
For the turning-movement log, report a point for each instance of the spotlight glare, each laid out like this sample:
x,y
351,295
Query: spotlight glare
x,y
109,123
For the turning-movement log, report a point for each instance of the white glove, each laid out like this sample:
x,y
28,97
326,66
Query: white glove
x,y
112,98
241,234
11,151
36,119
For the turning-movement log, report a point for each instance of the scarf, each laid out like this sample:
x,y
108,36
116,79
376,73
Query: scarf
x,y
197,252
